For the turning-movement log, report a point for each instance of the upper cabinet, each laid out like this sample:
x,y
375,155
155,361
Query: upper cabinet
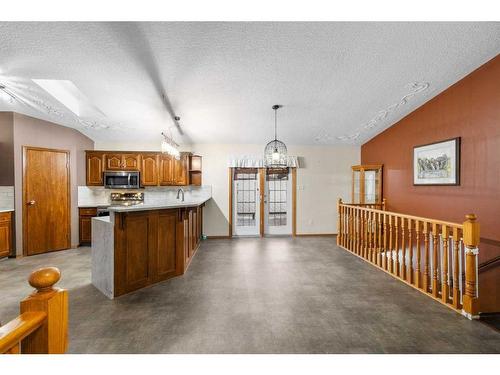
x,y
122,162
181,170
94,166
367,184
156,168
149,169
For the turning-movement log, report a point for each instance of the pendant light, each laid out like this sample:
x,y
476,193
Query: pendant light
x,y
169,146
275,153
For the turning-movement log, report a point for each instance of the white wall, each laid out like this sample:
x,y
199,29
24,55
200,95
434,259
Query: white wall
x,y
325,175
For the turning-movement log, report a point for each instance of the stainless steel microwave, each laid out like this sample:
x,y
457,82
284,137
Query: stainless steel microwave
x,y
121,180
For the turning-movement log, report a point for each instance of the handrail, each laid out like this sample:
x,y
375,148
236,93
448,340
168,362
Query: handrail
x,y
428,254
489,263
16,330
406,216
42,326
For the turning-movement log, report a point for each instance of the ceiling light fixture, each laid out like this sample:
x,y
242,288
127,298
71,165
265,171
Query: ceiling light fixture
x,y
275,153
168,145
8,94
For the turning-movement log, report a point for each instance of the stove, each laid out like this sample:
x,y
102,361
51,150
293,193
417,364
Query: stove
x,y
120,200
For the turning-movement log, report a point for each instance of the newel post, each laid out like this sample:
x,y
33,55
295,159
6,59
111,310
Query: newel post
x,y
52,336
340,233
471,242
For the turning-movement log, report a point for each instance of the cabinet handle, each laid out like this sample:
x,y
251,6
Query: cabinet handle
x,y
30,203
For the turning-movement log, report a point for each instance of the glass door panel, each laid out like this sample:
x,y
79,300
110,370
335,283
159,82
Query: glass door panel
x,y
246,202
278,202
370,186
356,198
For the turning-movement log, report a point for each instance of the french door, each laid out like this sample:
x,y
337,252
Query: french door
x,y
261,201
278,202
246,201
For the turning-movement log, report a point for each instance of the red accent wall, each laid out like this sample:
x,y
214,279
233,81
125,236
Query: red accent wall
x,y
469,109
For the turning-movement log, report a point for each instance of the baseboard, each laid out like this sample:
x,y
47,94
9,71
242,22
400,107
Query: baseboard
x,y
316,235
218,237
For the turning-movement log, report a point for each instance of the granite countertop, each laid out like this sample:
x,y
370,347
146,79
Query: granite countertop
x,y
3,209
193,202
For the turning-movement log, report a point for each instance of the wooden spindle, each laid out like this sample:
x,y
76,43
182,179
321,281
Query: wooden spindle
x,y
52,336
372,237
386,249
418,275
391,245
365,234
340,219
445,288
435,259
471,242
456,268
379,245
409,261
426,234
396,246
403,249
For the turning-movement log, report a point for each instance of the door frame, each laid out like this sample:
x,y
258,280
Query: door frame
x,y
262,174
23,208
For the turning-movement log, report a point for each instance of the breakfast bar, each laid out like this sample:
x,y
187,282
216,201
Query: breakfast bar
x,y
140,245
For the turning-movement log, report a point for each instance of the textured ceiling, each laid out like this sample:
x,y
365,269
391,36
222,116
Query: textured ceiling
x,y
338,82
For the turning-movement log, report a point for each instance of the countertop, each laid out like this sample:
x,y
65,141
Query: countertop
x,y
106,219
6,209
193,202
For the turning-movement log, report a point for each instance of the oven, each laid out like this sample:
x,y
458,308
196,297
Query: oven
x,y
121,180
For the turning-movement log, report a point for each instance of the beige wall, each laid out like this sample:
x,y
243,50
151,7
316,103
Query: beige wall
x,y
325,176
29,131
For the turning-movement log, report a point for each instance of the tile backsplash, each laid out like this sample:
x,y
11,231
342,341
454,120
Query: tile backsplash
x,y
7,197
99,196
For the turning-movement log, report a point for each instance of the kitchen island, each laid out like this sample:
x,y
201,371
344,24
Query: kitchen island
x,y
140,245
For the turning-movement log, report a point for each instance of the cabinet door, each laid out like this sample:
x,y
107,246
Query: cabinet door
x,y
114,162
131,162
5,238
166,170
135,252
85,229
94,169
181,170
149,170
165,259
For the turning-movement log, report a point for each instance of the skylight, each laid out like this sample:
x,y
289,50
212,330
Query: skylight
x,y
70,96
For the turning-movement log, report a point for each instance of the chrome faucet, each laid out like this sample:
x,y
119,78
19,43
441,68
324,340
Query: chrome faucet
x,y
180,191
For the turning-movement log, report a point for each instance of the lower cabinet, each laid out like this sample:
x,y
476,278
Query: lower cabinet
x,y
85,224
152,246
5,234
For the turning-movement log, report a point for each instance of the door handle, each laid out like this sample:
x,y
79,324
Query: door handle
x,y
31,203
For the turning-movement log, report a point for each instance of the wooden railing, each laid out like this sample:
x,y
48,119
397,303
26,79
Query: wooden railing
x,y
42,327
430,255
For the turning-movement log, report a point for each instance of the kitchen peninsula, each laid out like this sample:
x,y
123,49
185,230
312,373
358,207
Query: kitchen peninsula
x,y
140,245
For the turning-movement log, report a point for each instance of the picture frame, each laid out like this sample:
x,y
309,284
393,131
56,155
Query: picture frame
x,y
437,164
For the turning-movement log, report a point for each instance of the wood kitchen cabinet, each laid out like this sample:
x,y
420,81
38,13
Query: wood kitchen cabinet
x,y
5,234
149,169
95,168
181,170
122,162
152,246
166,174
156,168
85,224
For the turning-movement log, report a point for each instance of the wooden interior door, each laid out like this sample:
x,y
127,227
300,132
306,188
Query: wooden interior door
x,y
46,200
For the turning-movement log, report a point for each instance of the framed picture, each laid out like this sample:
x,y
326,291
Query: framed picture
x,y
437,163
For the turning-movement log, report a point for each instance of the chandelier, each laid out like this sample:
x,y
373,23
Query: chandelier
x,y
169,146
275,153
